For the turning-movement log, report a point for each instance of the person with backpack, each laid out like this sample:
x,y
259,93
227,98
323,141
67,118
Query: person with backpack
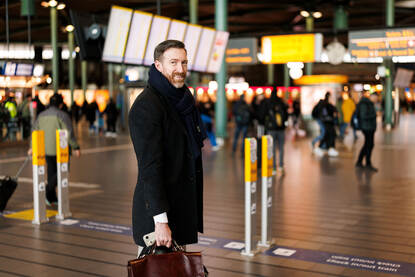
x,y
242,114
366,117
316,116
275,119
328,116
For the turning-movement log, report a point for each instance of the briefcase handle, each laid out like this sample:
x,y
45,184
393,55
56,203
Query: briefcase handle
x,y
152,249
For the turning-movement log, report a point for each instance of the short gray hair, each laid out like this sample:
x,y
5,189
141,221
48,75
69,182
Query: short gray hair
x,y
165,45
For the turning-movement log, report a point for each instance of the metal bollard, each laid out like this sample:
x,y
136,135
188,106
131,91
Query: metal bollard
x,y
38,161
62,159
250,195
267,191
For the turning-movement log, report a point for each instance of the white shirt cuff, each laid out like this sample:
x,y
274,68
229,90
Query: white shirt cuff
x,y
160,218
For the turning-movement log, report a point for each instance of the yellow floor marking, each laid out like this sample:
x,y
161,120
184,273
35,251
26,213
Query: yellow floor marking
x,y
28,214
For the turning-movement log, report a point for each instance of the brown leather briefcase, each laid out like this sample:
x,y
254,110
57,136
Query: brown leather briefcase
x,y
176,263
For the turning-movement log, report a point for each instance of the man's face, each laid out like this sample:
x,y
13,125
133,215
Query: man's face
x,y
173,65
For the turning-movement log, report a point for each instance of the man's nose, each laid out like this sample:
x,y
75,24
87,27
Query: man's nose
x,y
180,67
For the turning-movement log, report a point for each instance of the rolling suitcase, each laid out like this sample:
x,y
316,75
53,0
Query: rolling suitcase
x,y
8,186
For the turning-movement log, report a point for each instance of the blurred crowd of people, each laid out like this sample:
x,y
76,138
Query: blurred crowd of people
x,y
18,118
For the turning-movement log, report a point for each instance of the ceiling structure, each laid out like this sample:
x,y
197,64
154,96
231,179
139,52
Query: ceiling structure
x,y
245,17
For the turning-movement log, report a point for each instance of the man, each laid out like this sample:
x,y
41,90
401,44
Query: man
x,y
348,108
12,125
167,134
24,111
327,115
242,115
275,118
366,114
49,121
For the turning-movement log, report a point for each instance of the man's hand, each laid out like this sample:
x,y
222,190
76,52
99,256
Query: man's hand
x,y
163,234
29,152
77,153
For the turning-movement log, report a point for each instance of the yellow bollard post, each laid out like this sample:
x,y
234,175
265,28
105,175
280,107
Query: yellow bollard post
x,y
250,196
38,161
62,159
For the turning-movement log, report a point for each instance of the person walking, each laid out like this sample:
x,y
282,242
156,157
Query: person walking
x,y
242,114
111,113
25,117
366,116
49,121
275,123
316,116
327,115
348,107
12,124
167,134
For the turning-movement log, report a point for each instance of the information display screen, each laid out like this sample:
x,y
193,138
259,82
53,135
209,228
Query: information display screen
x,y
191,41
137,38
158,33
177,30
205,47
242,51
292,48
118,26
218,51
382,43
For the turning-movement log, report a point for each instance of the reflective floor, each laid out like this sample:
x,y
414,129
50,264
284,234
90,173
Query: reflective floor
x,y
320,204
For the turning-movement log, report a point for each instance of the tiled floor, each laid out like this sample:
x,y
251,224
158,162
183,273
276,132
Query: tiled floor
x,y
320,204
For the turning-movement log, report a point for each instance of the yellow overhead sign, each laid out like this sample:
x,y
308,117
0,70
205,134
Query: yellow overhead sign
x,y
292,48
321,79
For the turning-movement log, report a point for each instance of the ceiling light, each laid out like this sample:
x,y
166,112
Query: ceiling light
x,y
69,28
44,4
61,6
53,3
317,14
305,13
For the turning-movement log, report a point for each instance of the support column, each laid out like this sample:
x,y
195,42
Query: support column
x,y
340,18
111,79
193,10
221,24
84,77
54,41
271,72
71,65
390,21
309,28
286,81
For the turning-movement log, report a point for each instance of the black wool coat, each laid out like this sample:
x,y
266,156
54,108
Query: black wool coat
x,y
169,178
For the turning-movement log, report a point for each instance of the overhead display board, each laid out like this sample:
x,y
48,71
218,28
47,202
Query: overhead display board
x,y
202,56
242,51
177,30
382,43
218,51
118,27
282,49
133,35
191,41
158,33
137,38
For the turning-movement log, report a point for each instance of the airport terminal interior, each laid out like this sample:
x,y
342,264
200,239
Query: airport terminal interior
x,y
320,213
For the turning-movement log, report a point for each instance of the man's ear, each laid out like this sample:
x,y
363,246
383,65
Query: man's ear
x,y
158,65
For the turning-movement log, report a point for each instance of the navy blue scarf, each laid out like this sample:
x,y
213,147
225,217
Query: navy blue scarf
x,y
182,100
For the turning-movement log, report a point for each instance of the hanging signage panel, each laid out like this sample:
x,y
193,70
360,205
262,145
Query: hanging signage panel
x,y
218,51
242,51
137,38
203,53
191,41
177,30
158,33
118,27
291,48
382,43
